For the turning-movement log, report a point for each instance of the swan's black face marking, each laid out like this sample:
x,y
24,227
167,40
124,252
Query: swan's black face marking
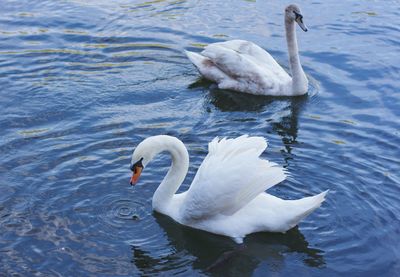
x,y
298,16
137,164
299,20
136,171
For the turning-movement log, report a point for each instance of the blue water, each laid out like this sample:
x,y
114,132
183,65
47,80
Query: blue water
x,y
83,82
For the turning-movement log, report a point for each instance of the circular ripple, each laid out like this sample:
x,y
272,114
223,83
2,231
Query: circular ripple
x,y
116,212
114,215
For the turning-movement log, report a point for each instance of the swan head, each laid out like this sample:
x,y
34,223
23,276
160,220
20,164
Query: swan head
x,y
141,156
136,169
152,146
293,13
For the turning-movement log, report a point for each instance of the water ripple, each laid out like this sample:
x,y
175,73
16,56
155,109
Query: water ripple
x,y
84,82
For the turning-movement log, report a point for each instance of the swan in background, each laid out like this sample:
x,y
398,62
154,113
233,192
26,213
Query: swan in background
x,y
244,66
227,194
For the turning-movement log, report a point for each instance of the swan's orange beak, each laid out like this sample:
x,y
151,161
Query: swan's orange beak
x,y
135,175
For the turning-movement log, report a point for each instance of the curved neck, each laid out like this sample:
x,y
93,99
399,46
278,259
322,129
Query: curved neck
x,y
299,80
177,172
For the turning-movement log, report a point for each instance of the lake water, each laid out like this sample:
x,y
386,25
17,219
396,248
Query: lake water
x,y
83,82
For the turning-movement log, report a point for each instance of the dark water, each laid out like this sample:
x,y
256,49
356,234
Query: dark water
x,y
82,82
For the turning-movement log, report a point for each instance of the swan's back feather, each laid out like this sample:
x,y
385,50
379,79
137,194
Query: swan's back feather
x,y
230,177
258,55
242,66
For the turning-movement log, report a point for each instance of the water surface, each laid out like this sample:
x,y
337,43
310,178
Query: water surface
x,y
82,82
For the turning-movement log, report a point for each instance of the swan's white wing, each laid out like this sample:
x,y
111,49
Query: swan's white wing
x,y
230,176
256,53
250,68
238,66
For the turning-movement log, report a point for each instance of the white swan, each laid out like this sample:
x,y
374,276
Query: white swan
x,y
227,194
243,66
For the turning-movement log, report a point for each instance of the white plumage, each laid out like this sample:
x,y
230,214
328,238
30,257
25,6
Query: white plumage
x,y
227,194
243,66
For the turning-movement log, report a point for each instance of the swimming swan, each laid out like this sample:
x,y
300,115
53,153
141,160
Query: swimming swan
x,y
227,194
244,66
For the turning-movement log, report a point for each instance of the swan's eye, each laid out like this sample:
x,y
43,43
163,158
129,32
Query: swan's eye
x,y
136,165
298,16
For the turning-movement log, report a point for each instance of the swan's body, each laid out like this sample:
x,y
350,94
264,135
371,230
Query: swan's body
x,y
243,66
227,194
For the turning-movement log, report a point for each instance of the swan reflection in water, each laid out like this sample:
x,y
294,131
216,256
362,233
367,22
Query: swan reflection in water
x,y
281,113
220,255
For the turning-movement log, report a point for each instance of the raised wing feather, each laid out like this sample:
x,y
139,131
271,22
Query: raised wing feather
x,y
230,176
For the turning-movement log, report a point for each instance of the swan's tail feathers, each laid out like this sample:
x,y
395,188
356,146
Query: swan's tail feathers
x,y
195,58
207,68
306,206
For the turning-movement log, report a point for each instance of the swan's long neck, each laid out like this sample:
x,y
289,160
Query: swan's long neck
x,y
176,174
299,79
